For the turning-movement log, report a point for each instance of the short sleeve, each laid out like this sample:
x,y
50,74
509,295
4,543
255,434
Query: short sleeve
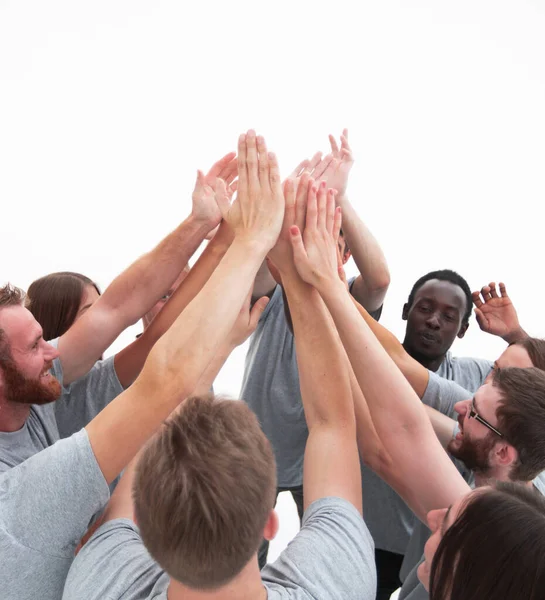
x,y
83,399
331,558
49,499
115,564
374,313
442,394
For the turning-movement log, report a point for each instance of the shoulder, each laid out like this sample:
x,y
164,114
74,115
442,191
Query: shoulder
x,y
115,563
333,538
442,394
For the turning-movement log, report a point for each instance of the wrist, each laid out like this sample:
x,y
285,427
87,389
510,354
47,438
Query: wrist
x,y
254,245
516,335
331,287
199,225
341,200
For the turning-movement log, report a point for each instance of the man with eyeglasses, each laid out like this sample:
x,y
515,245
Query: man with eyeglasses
x,y
488,435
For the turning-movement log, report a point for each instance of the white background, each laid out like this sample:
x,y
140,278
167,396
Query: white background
x,y
107,108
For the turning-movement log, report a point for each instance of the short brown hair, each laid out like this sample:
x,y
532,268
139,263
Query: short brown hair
x,y
203,491
54,300
9,296
521,418
536,351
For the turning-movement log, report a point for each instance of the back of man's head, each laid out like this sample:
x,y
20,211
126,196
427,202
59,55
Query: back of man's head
x,y
521,418
204,490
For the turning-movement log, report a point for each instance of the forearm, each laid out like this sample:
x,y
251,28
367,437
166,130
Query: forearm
x,y
176,363
396,412
214,367
129,362
442,425
416,374
371,288
319,354
138,288
372,450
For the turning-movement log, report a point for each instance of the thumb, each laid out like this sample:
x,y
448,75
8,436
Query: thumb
x,y
256,312
481,320
222,197
299,252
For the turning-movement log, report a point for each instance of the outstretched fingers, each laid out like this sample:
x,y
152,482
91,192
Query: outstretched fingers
x,y
251,162
242,165
262,162
321,204
476,297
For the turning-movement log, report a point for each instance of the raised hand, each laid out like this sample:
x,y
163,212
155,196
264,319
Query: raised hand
x,y
315,250
306,166
258,209
496,313
281,253
225,168
207,199
342,161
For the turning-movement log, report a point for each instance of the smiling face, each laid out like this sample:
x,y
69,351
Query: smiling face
x,y
434,319
475,442
24,373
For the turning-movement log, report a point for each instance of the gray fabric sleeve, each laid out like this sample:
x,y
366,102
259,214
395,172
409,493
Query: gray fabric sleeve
x,y
443,394
332,557
114,564
83,399
49,500
57,365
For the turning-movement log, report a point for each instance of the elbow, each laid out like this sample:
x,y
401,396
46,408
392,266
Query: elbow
x,y
382,282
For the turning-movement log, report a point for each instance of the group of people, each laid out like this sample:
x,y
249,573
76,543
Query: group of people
x,y
128,478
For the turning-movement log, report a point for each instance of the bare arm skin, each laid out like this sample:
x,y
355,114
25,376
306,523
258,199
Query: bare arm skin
x,y
178,360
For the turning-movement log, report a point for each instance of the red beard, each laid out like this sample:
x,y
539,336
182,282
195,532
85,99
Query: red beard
x,y
22,390
475,454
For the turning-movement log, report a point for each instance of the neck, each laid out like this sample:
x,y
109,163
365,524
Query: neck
x,y
430,363
12,416
490,477
247,585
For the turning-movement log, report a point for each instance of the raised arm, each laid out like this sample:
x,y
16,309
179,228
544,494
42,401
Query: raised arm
x,y
134,292
120,505
420,469
371,285
178,360
331,464
130,360
496,314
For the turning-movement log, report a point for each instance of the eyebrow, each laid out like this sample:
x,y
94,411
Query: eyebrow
x,y
429,299
443,524
37,339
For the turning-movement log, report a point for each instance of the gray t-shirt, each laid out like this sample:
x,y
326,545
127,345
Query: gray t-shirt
x,y
390,520
330,558
467,372
270,387
79,403
46,504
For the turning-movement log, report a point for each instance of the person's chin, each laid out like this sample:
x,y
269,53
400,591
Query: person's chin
x,y
423,574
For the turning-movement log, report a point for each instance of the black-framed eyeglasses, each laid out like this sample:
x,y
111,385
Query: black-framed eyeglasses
x,y
475,415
